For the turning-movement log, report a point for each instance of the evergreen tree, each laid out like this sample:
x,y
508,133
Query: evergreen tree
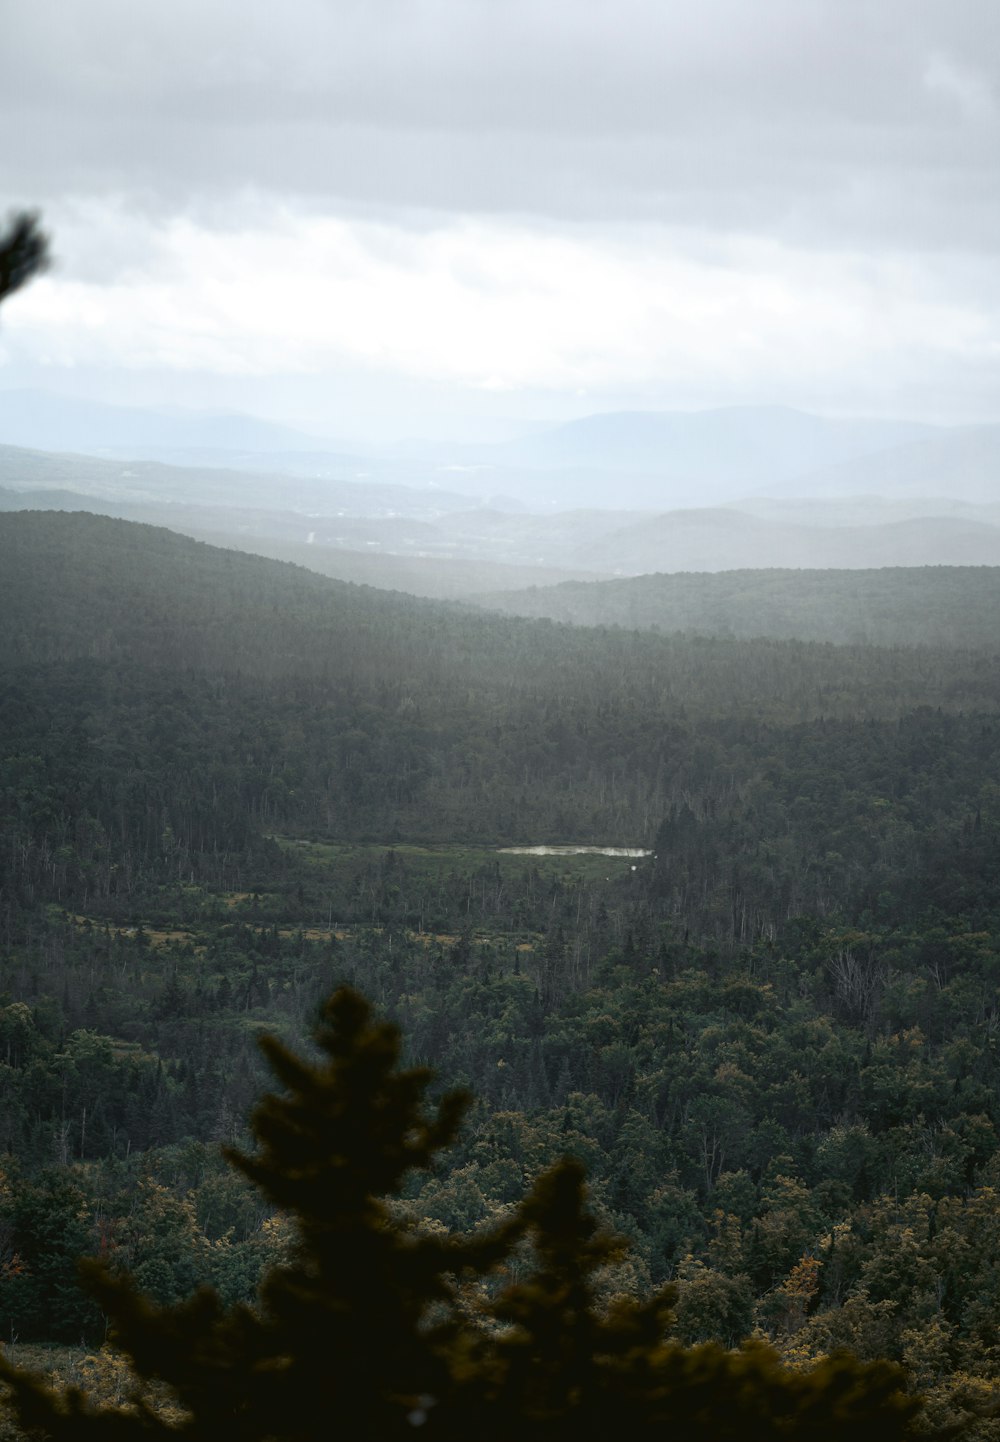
x,y
374,1328
24,252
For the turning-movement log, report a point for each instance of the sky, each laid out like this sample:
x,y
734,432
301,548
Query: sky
x,y
392,217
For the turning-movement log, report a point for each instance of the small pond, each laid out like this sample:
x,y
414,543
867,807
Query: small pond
x,y
574,851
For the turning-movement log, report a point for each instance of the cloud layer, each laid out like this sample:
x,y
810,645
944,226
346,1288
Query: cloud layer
x,y
792,199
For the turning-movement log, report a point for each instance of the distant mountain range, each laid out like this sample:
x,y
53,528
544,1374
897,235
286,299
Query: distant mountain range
x,y
638,460
928,498
314,522
964,463
730,539
51,422
151,482
732,450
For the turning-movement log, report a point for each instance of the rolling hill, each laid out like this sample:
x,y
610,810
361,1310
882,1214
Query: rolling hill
x,y
937,606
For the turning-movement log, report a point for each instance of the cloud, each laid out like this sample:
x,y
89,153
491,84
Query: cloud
x,y
779,114
496,304
641,195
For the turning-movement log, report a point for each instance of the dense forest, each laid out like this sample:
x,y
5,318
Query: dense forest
x,y
228,785
895,606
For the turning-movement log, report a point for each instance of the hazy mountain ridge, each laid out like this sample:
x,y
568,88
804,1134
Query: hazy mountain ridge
x,y
279,536
645,460
154,482
939,606
728,539
48,421
389,519
432,578
734,446
865,510
479,549
963,462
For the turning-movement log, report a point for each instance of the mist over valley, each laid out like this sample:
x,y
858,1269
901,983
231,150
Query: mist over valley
x,y
433,525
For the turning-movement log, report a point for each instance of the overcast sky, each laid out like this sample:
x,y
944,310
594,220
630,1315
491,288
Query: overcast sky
x,y
387,213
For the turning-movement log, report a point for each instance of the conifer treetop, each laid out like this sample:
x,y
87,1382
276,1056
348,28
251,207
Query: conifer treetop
x,y
368,1333
24,252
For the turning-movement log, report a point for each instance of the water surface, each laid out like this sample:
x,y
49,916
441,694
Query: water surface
x,y
574,851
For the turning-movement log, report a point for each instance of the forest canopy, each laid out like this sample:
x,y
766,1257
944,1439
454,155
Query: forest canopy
x,y
228,786
379,1326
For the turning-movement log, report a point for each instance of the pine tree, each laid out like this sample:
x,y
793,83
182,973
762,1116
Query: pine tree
x,y
348,1330
24,252
375,1329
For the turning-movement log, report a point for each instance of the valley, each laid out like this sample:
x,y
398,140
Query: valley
x,y
500,722
229,784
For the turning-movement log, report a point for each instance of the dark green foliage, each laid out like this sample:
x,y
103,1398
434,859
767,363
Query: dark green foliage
x,y
24,252
49,1232
374,1328
166,706
772,1046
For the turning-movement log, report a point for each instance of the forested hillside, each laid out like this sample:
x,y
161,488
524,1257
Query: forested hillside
x,y
954,606
228,784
